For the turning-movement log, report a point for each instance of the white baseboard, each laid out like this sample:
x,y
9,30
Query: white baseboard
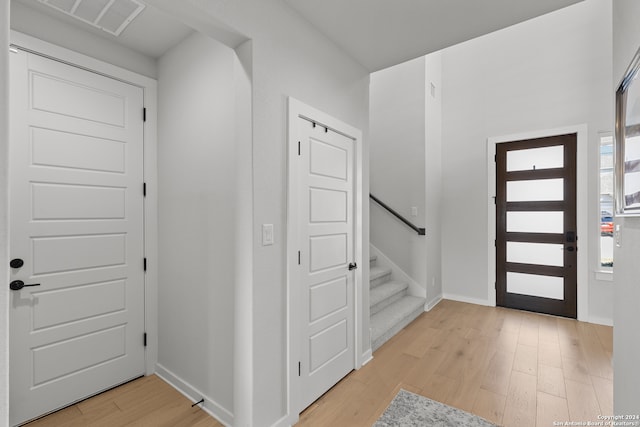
x,y
366,357
461,298
398,274
600,320
429,305
209,406
285,421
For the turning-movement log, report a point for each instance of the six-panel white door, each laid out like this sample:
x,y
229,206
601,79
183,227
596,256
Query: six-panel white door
x,y
326,182
76,221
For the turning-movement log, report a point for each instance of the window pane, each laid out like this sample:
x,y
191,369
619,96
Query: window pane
x,y
535,253
535,222
606,201
535,190
535,158
535,285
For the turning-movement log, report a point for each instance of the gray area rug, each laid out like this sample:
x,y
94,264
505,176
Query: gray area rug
x,y
409,409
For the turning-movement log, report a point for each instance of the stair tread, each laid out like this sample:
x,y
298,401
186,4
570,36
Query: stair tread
x,y
372,258
385,319
385,290
377,272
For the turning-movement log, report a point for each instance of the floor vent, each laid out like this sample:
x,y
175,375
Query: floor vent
x,y
112,16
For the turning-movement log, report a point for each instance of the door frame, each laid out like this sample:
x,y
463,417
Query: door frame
x,y
582,205
296,110
150,169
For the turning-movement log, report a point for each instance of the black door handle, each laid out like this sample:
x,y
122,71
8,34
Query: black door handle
x,y
16,285
352,266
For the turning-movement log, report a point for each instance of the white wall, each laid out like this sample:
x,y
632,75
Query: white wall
x,y
626,334
4,256
290,58
196,215
397,127
433,175
406,152
549,72
30,21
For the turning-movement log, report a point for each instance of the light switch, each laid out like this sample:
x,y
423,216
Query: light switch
x,y
414,211
267,234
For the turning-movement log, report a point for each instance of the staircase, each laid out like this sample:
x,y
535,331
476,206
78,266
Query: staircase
x,y
390,307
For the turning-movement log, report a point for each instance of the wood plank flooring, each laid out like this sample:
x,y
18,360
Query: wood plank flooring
x,y
511,367
148,401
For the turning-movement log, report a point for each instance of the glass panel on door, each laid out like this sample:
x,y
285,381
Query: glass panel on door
x,y
535,190
535,158
535,285
535,222
535,253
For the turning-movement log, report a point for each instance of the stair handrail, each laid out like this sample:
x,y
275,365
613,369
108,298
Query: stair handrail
x,y
420,231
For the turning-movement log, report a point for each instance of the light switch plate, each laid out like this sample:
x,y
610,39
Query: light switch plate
x,y
267,234
414,211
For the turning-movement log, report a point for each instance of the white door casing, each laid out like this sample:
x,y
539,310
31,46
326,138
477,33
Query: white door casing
x,y
322,241
76,219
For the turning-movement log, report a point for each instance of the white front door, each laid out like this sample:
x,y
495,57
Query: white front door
x,y
76,234
325,168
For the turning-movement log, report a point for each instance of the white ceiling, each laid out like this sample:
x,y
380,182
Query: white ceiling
x,y
382,33
151,33
377,33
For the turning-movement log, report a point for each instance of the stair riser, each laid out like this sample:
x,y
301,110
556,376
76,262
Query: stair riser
x,y
379,281
378,341
386,302
372,262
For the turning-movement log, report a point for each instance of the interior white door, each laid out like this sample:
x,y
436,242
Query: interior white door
x,y
326,183
76,222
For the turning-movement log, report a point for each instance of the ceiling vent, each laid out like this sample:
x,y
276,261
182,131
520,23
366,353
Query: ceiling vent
x,y
112,16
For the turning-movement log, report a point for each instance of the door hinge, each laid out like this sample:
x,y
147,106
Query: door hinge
x,y
144,114
299,368
495,157
144,339
145,264
298,257
298,148
144,189
495,243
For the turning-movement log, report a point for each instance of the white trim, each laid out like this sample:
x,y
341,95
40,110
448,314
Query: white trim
x,y
582,207
193,394
435,301
398,274
298,109
76,59
150,91
603,275
367,357
601,321
462,298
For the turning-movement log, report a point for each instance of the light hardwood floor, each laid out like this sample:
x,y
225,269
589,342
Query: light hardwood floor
x,y
147,401
511,367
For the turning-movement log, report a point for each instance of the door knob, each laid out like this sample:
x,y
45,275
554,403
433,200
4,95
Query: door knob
x,y
16,285
352,266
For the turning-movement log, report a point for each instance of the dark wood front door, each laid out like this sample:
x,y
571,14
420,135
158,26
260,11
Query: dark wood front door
x,y
536,241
